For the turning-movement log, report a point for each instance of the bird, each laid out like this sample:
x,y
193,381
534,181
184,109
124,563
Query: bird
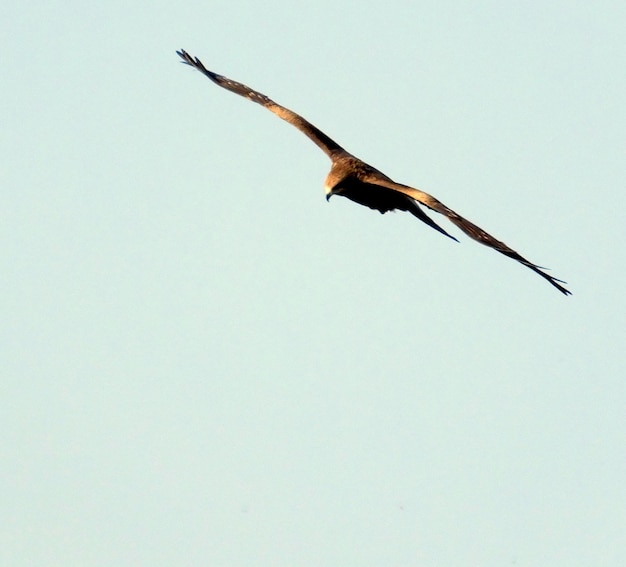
x,y
358,181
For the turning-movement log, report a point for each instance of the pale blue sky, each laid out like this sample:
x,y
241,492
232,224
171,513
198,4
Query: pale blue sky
x,y
206,364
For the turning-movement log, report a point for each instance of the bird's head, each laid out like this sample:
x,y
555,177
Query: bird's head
x,y
332,184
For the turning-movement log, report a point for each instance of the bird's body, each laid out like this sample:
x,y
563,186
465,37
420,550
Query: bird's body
x,y
360,182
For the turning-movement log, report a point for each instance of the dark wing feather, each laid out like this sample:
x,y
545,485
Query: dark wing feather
x,y
472,230
325,143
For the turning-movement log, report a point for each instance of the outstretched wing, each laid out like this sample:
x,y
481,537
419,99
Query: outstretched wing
x,y
327,145
471,229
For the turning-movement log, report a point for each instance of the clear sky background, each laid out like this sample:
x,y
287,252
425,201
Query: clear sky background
x,y
205,364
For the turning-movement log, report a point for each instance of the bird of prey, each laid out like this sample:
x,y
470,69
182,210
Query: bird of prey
x,y
360,182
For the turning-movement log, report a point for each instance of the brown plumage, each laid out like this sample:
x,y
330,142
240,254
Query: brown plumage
x,y
364,184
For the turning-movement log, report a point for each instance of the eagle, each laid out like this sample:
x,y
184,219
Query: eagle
x,y
360,182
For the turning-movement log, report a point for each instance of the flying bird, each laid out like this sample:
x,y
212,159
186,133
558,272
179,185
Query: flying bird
x,y
360,182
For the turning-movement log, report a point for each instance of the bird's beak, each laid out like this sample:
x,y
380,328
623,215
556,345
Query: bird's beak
x,y
328,196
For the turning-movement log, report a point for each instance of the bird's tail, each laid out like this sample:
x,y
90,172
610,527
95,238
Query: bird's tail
x,y
416,211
